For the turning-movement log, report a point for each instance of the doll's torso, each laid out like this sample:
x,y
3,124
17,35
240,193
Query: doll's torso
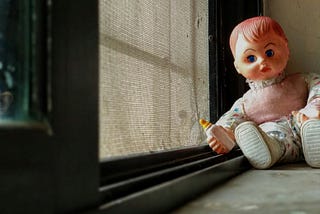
x,y
277,100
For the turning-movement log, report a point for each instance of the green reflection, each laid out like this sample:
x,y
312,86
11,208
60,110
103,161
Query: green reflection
x,y
16,59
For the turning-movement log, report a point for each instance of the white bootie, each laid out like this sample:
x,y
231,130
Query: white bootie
x,y
261,150
310,137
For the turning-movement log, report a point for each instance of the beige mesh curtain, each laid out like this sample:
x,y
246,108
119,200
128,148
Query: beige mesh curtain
x,y
153,75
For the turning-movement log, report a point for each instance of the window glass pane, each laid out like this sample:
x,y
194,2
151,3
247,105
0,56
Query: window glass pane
x,y
17,59
153,75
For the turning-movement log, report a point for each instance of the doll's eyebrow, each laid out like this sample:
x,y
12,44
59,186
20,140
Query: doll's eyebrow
x,y
270,43
249,49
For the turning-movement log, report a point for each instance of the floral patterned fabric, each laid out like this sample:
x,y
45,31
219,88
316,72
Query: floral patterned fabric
x,y
285,129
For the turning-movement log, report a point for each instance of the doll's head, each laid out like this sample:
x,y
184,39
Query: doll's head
x,y
260,48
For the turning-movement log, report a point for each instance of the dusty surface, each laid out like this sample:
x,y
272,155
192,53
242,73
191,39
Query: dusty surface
x,y
293,188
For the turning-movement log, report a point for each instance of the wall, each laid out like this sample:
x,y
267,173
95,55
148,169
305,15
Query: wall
x,y
300,20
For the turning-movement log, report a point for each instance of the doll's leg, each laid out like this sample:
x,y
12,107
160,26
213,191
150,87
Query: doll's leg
x,y
310,136
261,150
284,133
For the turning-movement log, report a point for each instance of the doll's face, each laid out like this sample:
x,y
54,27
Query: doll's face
x,y
261,60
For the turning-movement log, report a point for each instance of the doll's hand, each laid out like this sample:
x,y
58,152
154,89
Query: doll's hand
x,y
300,117
218,146
312,110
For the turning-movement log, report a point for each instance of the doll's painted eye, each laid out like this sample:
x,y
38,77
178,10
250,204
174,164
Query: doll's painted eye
x,y
251,58
269,53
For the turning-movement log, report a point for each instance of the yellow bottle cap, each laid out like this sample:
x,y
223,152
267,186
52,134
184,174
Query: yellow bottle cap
x,y
204,123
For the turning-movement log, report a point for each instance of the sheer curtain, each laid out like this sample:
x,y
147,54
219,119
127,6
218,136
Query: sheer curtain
x,y
153,75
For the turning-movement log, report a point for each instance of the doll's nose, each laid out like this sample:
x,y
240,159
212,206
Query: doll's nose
x,y
262,62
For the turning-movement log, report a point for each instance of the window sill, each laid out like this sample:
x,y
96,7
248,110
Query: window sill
x,y
164,190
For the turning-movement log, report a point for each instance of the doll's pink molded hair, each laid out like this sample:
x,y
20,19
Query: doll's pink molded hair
x,y
254,28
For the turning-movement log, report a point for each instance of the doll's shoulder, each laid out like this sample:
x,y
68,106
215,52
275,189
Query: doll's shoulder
x,y
297,80
310,78
307,75
297,76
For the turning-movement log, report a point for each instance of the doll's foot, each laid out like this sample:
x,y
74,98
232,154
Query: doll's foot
x,y
261,151
310,137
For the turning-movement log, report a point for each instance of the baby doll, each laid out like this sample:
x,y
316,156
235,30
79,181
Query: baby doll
x,y
277,119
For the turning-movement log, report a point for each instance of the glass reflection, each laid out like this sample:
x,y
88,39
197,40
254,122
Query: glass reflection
x,y
8,57
16,42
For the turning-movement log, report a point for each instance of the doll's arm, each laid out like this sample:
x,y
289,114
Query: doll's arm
x,y
229,121
232,118
313,81
312,109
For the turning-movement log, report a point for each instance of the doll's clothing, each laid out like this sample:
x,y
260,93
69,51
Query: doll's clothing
x,y
260,84
310,134
313,81
286,135
299,90
277,100
269,143
261,150
239,111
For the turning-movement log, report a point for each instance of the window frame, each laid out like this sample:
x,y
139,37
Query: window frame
x,y
52,166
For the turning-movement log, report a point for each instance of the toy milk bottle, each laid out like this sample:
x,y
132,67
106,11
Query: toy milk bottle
x,y
219,133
